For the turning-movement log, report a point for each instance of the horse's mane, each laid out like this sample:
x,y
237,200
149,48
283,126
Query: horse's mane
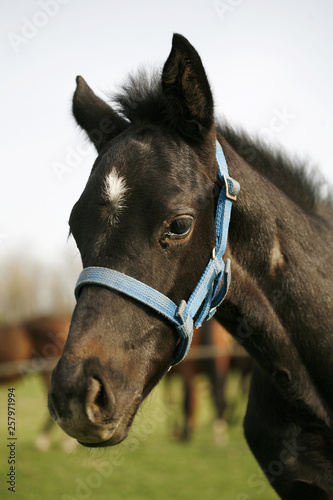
x,y
141,99
296,178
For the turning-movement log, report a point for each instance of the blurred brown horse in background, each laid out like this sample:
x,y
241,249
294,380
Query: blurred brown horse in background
x,y
30,347
212,353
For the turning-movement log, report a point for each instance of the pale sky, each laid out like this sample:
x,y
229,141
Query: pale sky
x,y
269,63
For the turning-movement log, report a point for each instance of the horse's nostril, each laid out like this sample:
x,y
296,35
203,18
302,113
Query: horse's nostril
x,y
99,401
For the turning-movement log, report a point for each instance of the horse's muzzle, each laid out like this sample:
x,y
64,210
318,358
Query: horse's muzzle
x,y
84,405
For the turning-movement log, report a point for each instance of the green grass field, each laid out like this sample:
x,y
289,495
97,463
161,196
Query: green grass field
x,y
149,464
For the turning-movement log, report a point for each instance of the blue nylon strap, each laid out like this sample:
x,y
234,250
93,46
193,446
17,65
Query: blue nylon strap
x,y
223,211
119,282
209,292
127,285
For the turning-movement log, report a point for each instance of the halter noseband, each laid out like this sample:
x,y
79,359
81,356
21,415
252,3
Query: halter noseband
x,y
209,292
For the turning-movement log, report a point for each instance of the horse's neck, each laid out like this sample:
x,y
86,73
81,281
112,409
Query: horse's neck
x,y
276,296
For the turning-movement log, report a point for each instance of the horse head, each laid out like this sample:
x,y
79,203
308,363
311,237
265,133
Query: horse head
x,y
147,211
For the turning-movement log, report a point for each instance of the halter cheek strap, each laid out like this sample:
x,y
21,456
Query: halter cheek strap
x,y
209,292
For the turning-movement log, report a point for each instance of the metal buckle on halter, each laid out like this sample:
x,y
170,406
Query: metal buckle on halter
x,y
211,313
220,295
185,328
232,189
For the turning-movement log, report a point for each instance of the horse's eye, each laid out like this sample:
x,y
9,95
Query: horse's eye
x,y
180,227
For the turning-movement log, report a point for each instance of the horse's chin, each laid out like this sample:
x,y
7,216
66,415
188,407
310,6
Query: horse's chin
x,y
115,439
109,436
117,436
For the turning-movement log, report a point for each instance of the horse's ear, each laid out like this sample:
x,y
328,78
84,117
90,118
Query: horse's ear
x,y
189,101
95,116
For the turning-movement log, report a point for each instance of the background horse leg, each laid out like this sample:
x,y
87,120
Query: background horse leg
x,y
220,426
186,371
217,368
218,377
297,461
43,441
189,406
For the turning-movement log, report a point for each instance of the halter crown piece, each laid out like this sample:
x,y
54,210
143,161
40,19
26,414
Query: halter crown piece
x,y
209,292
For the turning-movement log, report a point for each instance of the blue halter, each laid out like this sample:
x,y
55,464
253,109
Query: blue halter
x,y
209,292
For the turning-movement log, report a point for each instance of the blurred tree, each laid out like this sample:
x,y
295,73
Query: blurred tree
x,y
31,288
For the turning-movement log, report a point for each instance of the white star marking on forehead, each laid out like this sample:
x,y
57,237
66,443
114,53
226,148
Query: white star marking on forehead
x,y
115,190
